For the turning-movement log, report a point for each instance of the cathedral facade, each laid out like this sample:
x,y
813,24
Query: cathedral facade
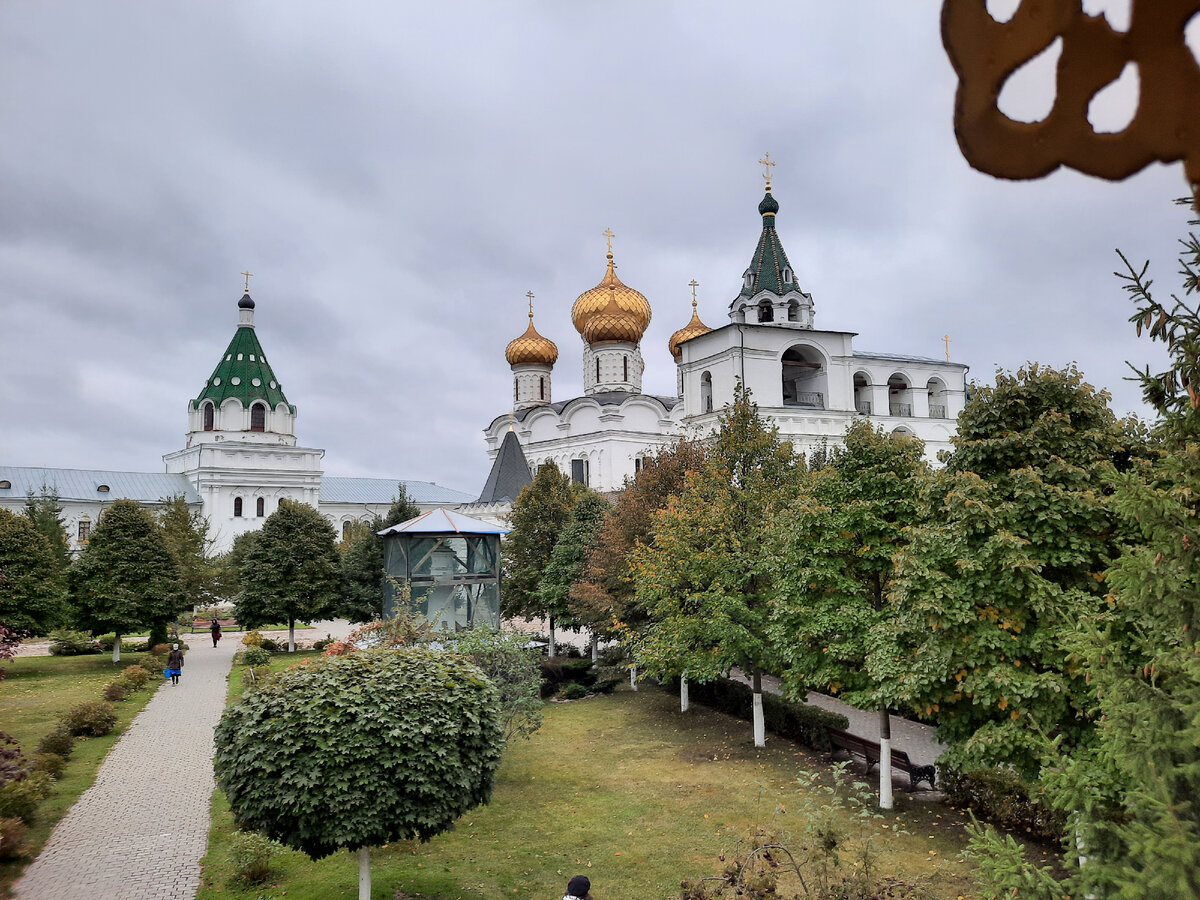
x,y
240,459
809,382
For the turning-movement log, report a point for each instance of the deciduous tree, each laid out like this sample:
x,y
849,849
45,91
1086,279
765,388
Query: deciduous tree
x,y
352,752
126,579
707,581
291,570
568,558
186,532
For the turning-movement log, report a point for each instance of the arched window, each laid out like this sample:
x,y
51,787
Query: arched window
x,y
793,311
237,507
541,387
706,401
209,415
346,530
597,369
624,368
258,417
803,378
766,312
260,507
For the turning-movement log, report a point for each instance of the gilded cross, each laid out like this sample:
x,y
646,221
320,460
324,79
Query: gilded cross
x,y
247,273
767,163
529,294
693,284
608,233
946,341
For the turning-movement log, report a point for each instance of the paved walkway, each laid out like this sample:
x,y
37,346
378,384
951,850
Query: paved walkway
x,y
139,832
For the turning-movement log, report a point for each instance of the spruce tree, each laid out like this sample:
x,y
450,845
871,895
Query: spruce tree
x,y
45,511
362,562
32,589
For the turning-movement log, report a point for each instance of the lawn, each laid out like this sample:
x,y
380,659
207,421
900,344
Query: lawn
x,y
36,691
622,788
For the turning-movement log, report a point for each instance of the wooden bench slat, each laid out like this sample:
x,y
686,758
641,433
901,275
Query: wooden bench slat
x,y
870,752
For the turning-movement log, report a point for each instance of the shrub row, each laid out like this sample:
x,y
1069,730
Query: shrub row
x,y
559,671
1000,797
807,725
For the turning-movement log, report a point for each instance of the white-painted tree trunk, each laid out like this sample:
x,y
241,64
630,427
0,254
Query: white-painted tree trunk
x,y
291,635
595,649
683,694
553,642
760,724
364,873
885,759
117,648
633,677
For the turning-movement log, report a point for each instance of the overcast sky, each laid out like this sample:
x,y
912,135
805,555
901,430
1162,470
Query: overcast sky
x,y
397,175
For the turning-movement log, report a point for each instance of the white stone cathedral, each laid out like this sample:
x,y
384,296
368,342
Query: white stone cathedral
x,y
239,460
811,383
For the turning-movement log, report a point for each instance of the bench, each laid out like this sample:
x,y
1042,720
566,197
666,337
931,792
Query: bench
x,y
869,751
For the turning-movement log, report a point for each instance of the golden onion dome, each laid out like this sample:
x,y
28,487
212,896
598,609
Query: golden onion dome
x,y
531,348
692,329
626,312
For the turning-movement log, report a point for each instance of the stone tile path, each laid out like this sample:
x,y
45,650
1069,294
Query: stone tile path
x,y
138,833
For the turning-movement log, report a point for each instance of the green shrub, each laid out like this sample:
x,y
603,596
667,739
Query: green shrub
x,y
116,692
1002,798
613,656
20,799
50,763
272,646
807,725
91,719
60,742
512,667
135,676
256,656
73,643
253,638
558,671
321,643
160,651
12,838
338,779
574,691
250,856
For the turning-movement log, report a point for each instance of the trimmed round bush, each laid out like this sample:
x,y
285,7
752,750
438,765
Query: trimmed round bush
x,y
92,719
50,763
364,749
271,645
12,838
574,691
135,676
116,692
256,656
60,742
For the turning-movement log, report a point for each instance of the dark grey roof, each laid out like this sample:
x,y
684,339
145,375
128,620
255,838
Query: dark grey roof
x,y
510,472
604,398
85,484
341,489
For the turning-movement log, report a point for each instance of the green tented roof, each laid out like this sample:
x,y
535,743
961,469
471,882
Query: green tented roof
x,y
769,260
243,372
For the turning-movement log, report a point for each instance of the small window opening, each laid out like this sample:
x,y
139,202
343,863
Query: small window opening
x,y
542,388
209,416
102,488
260,509
624,368
85,529
5,485
597,368
346,531
766,313
579,471
237,507
258,417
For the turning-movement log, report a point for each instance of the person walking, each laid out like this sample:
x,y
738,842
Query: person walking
x,y
579,888
215,628
175,663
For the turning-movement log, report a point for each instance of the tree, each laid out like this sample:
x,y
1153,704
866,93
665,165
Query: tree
x,y
539,515
45,511
568,558
706,581
291,570
228,566
126,579
1019,532
186,532
362,562
514,668
834,549
1131,794
32,594
604,593
364,749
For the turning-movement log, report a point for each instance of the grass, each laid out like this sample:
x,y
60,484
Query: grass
x,y
34,693
623,788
